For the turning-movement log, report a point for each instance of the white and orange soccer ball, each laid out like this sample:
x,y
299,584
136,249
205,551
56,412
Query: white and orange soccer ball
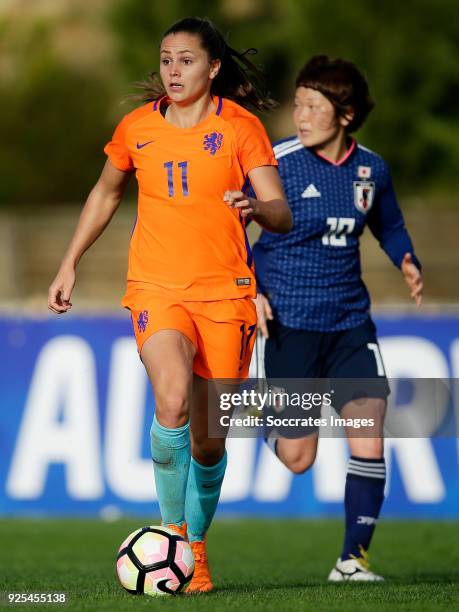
x,y
154,561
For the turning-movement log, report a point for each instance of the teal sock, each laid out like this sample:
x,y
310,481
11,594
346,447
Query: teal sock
x,y
170,451
202,494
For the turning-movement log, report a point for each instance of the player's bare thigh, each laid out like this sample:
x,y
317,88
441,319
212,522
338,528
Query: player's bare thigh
x,y
299,454
168,359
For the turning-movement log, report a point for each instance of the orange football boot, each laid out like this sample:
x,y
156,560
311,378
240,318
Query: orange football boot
x,y
180,529
201,581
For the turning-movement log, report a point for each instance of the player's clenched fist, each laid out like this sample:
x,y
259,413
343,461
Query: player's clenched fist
x,y
237,199
60,290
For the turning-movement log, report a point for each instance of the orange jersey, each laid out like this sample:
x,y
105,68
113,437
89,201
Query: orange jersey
x,y
186,239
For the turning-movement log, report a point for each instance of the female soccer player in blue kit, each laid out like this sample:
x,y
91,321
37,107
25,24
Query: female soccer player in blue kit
x,y
313,306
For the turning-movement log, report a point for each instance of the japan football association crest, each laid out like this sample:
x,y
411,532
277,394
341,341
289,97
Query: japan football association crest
x,y
364,192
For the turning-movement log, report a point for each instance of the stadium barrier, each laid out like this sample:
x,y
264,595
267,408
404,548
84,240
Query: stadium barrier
x,y
76,410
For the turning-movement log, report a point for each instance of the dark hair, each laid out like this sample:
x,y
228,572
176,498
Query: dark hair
x,y
238,78
342,83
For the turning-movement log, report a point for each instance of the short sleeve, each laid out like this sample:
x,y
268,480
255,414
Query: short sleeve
x,y
253,145
117,150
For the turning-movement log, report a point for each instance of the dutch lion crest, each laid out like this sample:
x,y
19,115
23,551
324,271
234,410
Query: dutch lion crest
x,y
213,142
142,321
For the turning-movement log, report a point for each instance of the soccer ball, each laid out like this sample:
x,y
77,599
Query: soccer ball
x,y
154,561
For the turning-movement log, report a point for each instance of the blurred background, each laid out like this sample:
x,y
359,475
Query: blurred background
x,y
66,69
67,66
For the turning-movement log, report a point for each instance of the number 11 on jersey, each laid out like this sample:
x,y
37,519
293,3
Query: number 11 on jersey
x,y
170,177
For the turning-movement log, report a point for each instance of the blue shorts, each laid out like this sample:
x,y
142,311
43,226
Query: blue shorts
x,y
352,353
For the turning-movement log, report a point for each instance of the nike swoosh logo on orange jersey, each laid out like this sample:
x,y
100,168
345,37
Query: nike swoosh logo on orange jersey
x,y
143,144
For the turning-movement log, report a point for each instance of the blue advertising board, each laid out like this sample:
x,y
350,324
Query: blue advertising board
x,y
76,409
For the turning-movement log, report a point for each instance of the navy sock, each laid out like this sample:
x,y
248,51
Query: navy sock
x,y
363,498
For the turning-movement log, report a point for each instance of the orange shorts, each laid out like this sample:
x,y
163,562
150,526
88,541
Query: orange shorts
x,y
223,332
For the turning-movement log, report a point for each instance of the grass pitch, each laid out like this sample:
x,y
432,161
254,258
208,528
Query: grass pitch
x,y
257,565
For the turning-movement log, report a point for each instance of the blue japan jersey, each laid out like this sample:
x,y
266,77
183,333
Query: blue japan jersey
x,y
312,275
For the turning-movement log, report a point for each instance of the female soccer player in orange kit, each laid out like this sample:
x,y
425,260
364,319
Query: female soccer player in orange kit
x,y
190,275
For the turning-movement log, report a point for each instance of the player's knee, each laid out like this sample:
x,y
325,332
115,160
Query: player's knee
x,y
172,409
207,452
300,460
300,465
367,448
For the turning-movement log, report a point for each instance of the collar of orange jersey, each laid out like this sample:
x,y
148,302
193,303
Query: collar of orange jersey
x,y
343,159
164,99
158,102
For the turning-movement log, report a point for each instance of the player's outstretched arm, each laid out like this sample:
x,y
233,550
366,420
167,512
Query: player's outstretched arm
x,y
270,208
99,208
